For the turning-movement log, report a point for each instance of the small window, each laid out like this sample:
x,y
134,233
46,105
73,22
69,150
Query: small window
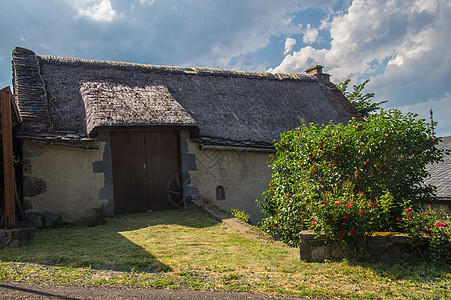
x,y
220,193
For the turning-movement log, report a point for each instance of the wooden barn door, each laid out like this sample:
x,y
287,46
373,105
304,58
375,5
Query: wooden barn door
x,y
146,170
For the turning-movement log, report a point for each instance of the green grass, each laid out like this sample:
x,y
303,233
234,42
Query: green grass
x,y
187,249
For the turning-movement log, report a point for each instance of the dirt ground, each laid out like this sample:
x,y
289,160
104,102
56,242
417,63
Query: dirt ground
x,y
13,290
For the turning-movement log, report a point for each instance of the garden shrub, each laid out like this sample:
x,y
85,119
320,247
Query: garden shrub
x,y
348,218
381,161
363,102
431,228
240,214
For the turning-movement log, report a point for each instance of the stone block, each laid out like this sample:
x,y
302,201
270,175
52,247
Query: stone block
x,y
2,233
400,238
27,205
4,242
93,220
33,186
189,162
336,252
26,165
108,179
32,233
192,193
67,220
51,219
382,248
106,193
307,235
15,243
107,211
378,241
320,253
34,220
305,252
98,166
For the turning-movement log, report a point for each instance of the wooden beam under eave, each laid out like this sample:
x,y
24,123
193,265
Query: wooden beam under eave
x,y
8,166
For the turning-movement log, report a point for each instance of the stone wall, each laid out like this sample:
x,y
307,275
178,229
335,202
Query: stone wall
x,y
63,180
379,247
15,237
231,178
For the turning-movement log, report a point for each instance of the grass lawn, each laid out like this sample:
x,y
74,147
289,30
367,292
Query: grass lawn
x,y
187,249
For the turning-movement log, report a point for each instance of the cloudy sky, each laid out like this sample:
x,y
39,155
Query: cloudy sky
x,y
402,46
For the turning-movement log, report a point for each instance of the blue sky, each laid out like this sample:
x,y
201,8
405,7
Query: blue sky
x,y
401,46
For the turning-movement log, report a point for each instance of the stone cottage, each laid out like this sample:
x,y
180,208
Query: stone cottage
x,y
125,137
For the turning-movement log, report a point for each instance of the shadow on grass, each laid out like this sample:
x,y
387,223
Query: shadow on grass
x,y
414,269
104,247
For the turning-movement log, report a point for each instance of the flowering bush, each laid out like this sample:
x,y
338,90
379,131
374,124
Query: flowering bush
x,y
431,227
348,218
388,152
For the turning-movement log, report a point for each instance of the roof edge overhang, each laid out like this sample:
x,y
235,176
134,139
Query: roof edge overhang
x,y
193,128
212,142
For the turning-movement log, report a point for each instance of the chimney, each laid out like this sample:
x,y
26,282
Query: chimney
x,y
317,72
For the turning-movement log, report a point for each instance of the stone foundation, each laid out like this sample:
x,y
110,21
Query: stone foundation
x,y
381,248
15,237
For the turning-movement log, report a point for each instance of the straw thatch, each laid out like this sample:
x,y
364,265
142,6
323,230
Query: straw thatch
x,y
84,95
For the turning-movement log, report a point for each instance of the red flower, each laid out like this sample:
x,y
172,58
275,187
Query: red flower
x,y
408,216
303,214
444,225
324,202
362,211
331,220
314,221
438,224
374,205
346,216
398,219
408,209
424,214
360,192
352,230
341,234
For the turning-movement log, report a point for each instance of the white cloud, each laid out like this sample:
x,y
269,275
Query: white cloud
x,y
101,12
310,35
146,2
238,30
289,43
301,60
402,46
375,31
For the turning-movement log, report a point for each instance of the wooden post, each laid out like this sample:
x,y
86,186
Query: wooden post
x,y
8,165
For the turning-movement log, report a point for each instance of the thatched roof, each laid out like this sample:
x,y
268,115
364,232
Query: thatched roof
x,y
78,96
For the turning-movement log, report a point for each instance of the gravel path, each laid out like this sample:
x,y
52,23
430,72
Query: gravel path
x,y
14,290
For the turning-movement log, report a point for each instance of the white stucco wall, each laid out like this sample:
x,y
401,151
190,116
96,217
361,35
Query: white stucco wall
x,y
71,187
243,174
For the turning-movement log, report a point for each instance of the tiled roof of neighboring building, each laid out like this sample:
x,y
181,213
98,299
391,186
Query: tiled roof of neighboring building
x,y
441,172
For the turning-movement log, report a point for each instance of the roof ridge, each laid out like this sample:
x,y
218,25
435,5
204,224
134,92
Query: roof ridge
x,y
205,71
